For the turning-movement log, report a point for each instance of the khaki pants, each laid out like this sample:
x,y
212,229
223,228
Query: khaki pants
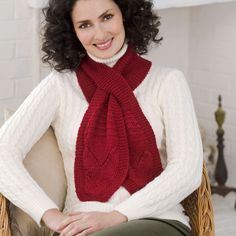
x,y
146,227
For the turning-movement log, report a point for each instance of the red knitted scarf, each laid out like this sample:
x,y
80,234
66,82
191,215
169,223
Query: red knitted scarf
x,y
115,145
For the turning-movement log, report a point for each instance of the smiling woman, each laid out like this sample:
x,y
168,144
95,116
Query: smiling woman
x,y
102,33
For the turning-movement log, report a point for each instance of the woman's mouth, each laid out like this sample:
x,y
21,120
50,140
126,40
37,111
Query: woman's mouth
x,y
104,45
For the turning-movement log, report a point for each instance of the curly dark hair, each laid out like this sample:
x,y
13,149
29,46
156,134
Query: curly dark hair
x,y
62,49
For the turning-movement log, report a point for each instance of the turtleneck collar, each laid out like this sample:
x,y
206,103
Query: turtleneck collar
x,y
112,60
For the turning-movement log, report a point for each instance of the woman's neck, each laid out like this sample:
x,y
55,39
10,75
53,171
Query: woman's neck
x,y
112,60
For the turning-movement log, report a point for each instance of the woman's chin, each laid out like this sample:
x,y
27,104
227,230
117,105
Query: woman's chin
x,y
104,54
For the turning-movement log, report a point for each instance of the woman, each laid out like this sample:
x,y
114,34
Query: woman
x,y
131,150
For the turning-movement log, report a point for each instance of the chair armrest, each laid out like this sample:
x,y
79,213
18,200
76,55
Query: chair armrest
x,y
198,207
4,220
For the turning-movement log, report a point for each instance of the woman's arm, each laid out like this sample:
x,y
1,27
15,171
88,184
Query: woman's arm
x,y
183,172
18,134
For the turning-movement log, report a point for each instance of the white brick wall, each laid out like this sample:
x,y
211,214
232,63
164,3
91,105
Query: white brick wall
x,y
7,50
212,71
173,51
7,9
15,53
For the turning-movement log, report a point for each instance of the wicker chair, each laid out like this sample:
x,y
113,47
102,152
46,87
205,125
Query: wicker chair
x,y
198,207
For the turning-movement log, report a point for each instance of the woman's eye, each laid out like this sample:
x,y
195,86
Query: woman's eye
x,y
108,17
84,26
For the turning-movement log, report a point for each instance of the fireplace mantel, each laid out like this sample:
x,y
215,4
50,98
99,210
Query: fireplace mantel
x,y
160,4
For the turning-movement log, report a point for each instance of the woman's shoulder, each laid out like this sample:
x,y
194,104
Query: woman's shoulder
x,y
162,76
59,79
170,81
164,73
60,76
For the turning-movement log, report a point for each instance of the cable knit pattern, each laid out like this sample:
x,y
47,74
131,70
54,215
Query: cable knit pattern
x,y
165,100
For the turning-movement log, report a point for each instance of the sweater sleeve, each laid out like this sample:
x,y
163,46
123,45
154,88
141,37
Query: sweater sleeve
x,y
183,171
17,135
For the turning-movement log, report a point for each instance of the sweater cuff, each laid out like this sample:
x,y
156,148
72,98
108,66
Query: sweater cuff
x,y
131,215
38,211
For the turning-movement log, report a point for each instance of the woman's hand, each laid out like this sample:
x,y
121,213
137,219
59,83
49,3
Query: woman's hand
x,y
82,224
53,218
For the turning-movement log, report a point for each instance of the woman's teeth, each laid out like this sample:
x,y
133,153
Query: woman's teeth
x,y
105,45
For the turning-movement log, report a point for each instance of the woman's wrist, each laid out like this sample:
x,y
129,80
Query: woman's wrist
x,y
118,217
49,213
52,218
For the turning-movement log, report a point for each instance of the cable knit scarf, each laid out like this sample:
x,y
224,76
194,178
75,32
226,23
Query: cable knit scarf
x,y
115,145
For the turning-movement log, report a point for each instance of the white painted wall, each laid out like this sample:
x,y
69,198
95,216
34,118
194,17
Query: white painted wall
x,y
15,53
174,49
200,41
212,71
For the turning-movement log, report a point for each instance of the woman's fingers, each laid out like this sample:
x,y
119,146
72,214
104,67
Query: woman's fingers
x,y
74,228
69,220
86,232
72,213
88,222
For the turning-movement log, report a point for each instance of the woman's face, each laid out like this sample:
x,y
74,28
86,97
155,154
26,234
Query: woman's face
x,y
99,26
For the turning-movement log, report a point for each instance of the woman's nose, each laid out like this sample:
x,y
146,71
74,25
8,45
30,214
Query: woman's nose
x,y
100,32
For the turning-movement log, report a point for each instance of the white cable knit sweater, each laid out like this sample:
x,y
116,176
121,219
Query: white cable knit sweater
x,y
165,100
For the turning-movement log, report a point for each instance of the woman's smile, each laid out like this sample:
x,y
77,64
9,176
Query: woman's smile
x,y
104,45
102,33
